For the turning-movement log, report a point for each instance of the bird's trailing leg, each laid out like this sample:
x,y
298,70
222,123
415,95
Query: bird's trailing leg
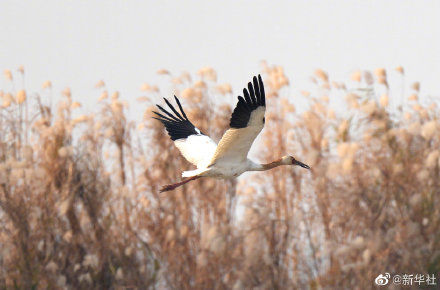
x,y
175,185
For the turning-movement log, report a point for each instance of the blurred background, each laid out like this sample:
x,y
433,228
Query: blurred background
x,y
352,90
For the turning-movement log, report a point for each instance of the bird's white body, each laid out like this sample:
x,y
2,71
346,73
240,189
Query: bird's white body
x,y
233,169
197,149
224,170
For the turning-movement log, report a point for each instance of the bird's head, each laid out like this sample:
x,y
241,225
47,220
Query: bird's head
x,y
290,160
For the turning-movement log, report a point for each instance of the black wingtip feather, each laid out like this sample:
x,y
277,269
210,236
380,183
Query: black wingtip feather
x,y
174,110
252,93
262,93
247,98
180,107
162,117
256,89
168,113
176,126
254,97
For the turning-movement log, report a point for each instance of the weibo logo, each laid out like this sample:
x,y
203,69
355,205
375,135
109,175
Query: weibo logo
x,y
382,279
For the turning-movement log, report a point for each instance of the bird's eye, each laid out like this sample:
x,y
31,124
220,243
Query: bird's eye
x,y
264,120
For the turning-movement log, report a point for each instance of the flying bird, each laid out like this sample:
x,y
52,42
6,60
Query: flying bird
x,y
228,159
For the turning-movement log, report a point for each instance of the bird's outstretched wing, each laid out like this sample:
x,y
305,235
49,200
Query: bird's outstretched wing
x,y
246,123
195,146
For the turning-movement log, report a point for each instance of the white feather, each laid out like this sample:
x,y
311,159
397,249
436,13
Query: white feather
x,y
235,144
192,173
197,149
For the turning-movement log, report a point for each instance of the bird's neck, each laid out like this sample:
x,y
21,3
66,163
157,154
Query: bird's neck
x,y
265,166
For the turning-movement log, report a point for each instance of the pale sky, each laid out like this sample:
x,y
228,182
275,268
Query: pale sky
x,y
77,43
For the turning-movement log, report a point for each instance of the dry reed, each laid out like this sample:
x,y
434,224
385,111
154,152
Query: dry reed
x,y
80,208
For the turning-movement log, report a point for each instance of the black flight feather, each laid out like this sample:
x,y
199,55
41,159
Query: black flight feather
x,y
180,107
166,112
163,117
178,127
262,94
172,108
254,97
252,93
256,89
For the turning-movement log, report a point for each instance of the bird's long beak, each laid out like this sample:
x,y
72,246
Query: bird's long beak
x,y
301,164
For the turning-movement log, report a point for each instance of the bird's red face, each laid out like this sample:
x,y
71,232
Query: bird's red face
x,y
299,163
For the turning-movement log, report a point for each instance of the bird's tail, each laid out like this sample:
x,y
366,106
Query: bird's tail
x,y
196,172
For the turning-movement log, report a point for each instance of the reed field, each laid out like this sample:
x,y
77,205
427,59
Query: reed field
x,y
80,206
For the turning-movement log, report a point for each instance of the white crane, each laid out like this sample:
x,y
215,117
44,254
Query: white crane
x,y
228,159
